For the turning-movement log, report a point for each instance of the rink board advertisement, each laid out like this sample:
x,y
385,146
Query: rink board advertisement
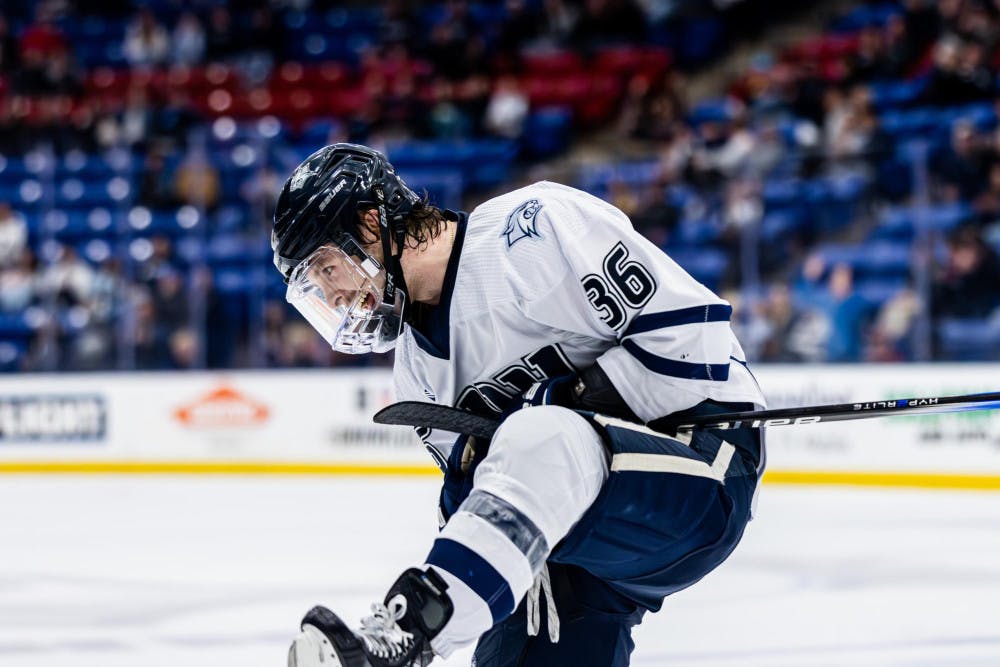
x,y
321,419
303,416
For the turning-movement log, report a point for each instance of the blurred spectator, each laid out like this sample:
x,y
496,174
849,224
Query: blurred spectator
x,y
169,301
868,62
68,280
156,187
608,22
399,24
959,171
966,285
13,236
188,40
960,73
524,24
262,38
196,181
220,42
147,42
183,349
987,204
507,108
456,47
795,334
9,57
889,338
19,286
42,38
849,315
900,49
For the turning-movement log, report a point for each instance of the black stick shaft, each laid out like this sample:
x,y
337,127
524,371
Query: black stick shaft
x,y
446,418
838,412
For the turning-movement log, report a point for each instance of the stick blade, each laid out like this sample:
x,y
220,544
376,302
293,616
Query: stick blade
x,y
435,416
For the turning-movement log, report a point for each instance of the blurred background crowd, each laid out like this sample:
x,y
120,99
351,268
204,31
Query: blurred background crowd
x,y
832,168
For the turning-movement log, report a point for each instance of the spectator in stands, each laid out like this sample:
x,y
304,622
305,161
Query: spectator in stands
x,y
399,24
507,109
9,57
42,38
901,48
456,47
868,62
960,171
188,40
987,204
156,185
966,284
160,262
889,338
794,334
220,42
19,283
61,76
13,236
147,42
960,73
608,22
108,291
68,280
849,315
260,40
172,311
523,24
31,78
183,349
196,181
652,111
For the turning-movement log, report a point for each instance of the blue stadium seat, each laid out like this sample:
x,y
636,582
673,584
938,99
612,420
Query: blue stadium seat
x,y
547,131
705,265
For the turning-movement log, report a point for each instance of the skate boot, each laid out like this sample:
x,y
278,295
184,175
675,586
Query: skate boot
x,y
397,634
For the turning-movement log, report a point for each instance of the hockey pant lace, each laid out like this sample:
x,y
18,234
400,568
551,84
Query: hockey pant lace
x,y
543,585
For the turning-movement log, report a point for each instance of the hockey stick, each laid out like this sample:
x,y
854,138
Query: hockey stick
x,y
455,420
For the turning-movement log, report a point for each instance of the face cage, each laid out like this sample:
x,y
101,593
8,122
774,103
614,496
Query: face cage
x,y
337,289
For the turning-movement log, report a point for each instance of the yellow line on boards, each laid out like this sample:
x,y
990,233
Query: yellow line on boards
x,y
790,477
913,480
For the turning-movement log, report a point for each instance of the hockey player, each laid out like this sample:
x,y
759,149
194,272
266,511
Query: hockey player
x,y
545,307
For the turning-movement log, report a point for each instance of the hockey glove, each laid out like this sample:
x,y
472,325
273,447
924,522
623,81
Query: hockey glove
x,y
553,391
465,455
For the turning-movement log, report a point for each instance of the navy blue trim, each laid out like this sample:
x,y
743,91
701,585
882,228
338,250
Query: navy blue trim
x,y
716,312
746,366
677,369
431,328
476,573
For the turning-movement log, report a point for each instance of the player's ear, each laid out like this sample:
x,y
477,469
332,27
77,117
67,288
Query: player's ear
x,y
368,230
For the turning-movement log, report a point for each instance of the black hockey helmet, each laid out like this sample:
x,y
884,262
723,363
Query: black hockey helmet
x,y
319,204
320,201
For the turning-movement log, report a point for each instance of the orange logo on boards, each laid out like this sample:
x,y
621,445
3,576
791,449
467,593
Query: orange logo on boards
x,y
224,407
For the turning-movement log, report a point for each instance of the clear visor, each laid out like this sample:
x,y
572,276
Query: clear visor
x,y
339,291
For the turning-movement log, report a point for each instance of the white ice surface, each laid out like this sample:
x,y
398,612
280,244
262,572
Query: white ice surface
x,y
215,572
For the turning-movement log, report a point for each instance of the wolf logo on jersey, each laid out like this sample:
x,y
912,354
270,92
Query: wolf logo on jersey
x,y
521,223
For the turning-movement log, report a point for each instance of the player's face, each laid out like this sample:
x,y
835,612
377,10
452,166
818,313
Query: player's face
x,y
337,277
338,289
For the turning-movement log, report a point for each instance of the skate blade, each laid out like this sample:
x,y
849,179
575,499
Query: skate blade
x,y
311,648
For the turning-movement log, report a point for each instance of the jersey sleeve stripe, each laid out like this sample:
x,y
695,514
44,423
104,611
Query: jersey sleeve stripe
x,y
716,312
678,369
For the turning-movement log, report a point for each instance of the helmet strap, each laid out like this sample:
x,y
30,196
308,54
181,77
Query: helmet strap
x,y
395,281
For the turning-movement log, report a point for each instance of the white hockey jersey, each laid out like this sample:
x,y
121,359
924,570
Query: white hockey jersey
x,y
547,280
